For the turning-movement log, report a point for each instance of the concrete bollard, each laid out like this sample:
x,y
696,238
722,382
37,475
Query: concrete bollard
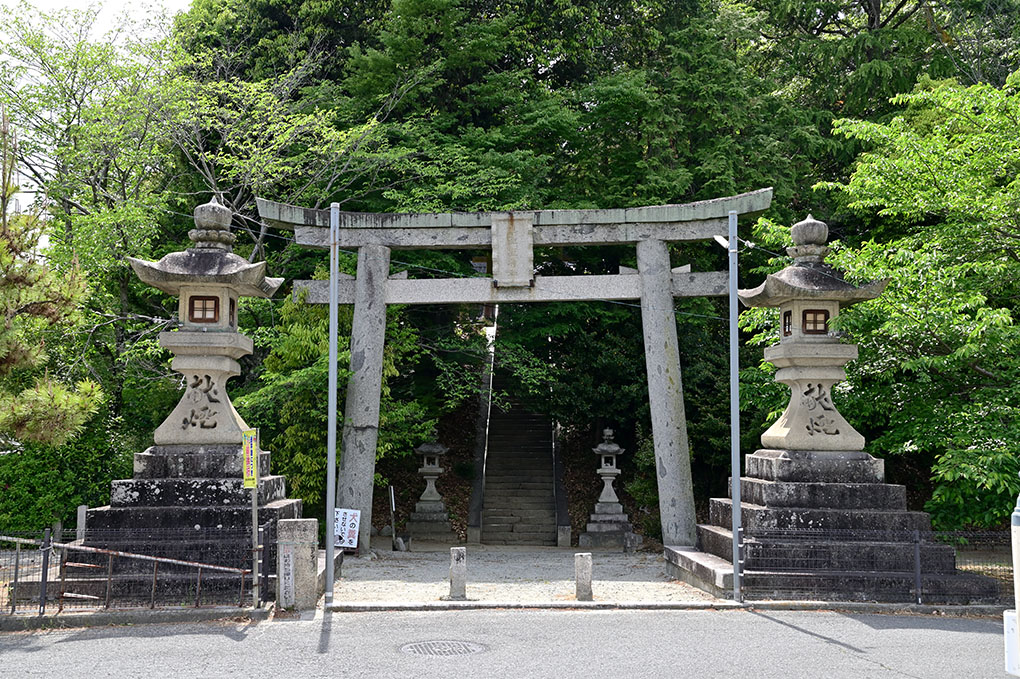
x,y
458,574
297,546
80,525
582,574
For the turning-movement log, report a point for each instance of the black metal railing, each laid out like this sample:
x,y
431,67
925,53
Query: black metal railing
x,y
42,572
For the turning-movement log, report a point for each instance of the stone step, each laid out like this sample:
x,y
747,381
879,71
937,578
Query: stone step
x,y
756,517
536,542
520,503
828,495
193,492
499,494
140,518
518,514
958,588
544,468
200,462
516,489
820,554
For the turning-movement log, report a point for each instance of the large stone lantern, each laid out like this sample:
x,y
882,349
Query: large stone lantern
x,y
209,279
809,356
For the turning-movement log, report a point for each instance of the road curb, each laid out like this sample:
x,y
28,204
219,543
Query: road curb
x,y
820,606
21,623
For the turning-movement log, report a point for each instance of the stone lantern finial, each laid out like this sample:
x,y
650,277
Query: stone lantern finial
x,y
809,237
212,226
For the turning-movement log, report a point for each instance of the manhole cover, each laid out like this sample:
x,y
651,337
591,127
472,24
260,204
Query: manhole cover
x,y
443,648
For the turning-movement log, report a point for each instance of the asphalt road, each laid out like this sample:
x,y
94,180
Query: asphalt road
x,y
561,644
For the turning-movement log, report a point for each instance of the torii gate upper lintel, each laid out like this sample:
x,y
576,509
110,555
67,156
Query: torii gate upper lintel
x,y
512,237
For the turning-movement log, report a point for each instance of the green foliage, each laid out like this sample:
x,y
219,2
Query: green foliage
x,y
42,483
938,373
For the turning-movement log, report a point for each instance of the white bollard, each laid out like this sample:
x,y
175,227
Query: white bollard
x,y
582,575
80,525
458,574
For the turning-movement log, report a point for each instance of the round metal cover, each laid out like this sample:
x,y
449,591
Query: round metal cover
x,y
443,648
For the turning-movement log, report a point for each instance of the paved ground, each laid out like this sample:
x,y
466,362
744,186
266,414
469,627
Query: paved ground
x,y
562,644
506,574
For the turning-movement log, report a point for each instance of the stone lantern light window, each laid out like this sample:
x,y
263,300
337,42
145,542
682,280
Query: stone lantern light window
x,y
787,323
816,322
233,313
204,309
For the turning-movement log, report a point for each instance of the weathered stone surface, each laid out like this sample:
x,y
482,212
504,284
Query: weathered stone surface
x,y
356,480
829,495
194,461
756,517
193,491
583,577
545,289
665,395
185,517
815,466
458,573
297,570
804,553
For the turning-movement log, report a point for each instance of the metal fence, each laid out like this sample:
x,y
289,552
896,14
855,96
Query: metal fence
x,y
909,566
44,572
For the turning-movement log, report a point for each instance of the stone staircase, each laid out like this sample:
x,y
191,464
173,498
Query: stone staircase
x,y
519,493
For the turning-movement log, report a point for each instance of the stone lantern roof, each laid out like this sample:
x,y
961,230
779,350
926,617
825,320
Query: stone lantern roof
x,y
809,277
209,261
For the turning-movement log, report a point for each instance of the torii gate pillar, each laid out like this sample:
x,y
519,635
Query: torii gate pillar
x,y
361,414
666,395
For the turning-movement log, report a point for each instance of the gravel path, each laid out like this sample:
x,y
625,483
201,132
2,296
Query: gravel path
x,y
510,574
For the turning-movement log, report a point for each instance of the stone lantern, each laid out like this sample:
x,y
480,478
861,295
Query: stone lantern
x,y
809,356
607,452
609,525
208,279
818,518
429,520
189,485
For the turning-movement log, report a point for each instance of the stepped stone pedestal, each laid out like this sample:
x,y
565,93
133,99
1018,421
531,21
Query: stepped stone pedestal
x,y
819,520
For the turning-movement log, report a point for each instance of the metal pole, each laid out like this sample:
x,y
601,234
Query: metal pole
x,y
393,521
14,585
917,566
255,529
46,548
734,407
1014,530
334,266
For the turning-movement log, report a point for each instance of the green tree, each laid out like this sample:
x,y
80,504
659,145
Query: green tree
x,y
34,296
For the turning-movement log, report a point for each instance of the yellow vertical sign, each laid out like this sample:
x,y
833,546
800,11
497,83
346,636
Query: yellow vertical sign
x,y
250,464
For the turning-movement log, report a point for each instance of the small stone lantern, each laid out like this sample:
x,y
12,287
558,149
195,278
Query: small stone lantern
x,y
809,356
609,525
209,279
607,452
429,520
431,500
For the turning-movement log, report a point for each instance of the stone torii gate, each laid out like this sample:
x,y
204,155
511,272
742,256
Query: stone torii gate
x,y
512,237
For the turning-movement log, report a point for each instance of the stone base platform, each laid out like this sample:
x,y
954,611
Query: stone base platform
x,y
609,530
188,502
823,525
